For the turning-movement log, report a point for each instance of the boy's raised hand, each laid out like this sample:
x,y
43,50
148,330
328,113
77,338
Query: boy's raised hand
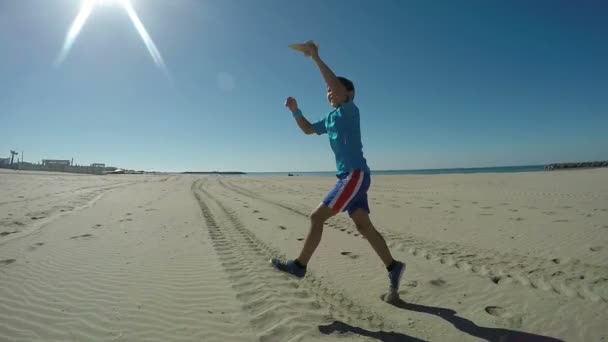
x,y
291,104
312,49
309,48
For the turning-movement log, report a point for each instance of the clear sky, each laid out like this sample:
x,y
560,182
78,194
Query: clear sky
x,y
439,83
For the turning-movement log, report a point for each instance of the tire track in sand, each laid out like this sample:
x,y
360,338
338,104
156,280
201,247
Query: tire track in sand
x,y
280,308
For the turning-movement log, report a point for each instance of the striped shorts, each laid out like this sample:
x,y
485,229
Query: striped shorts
x,y
350,192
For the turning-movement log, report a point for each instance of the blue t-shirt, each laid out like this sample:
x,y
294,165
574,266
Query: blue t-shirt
x,y
342,127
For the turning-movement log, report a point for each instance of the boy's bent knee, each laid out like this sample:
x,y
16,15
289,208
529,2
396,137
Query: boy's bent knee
x,y
317,218
320,215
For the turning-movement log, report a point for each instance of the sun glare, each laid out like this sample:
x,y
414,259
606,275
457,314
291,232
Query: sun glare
x,y
83,15
112,2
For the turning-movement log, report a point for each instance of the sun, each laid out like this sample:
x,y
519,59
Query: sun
x,y
87,8
112,2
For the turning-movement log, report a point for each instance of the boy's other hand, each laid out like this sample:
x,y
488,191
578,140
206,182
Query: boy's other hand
x,y
291,104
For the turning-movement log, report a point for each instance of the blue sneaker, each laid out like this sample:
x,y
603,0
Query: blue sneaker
x,y
395,279
288,267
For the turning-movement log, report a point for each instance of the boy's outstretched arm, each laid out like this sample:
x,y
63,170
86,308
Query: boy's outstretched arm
x,y
302,122
328,75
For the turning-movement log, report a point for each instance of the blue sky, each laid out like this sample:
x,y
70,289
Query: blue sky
x,y
439,83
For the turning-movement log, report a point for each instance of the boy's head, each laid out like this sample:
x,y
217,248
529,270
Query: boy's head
x,y
349,96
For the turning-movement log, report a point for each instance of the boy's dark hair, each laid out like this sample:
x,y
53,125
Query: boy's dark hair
x,y
348,84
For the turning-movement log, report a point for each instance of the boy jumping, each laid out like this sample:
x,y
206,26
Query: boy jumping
x,y
350,192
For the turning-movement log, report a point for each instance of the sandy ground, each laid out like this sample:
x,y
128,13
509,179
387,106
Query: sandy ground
x,y
490,257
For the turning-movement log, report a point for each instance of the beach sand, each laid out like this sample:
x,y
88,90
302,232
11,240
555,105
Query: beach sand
x,y
494,257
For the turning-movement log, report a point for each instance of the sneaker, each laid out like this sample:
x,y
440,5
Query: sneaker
x,y
394,277
289,267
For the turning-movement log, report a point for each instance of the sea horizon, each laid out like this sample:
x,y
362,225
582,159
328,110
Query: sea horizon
x,y
467,170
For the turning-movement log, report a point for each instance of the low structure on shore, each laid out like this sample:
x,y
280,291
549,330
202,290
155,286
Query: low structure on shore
x,y
214,173
580,165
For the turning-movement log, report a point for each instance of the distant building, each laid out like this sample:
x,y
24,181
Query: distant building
x,y
5,161
53,162
98,165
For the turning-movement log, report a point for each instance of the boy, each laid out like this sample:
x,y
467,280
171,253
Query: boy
x,y
350,192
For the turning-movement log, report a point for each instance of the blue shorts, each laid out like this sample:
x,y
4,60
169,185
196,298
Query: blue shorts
x,y
350,192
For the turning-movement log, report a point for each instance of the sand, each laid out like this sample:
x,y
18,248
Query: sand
x,y
495,257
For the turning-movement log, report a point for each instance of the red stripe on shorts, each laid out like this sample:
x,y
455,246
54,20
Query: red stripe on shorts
x,y
348,190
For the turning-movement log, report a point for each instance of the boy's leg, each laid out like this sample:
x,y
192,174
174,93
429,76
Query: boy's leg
x,y
367,229
317,219
395,268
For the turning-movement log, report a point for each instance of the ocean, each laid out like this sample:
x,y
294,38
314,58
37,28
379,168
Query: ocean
x,y
497,169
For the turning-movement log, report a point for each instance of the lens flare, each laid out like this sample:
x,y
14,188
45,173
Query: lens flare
x,y
145,37
83,16
79,21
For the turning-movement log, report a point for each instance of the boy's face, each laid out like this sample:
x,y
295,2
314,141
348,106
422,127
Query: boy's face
x,y
334,101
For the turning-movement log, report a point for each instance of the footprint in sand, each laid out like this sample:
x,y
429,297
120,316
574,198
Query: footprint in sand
x,y
8,233
37,217
349,254
596,248
129,220
556,261
82,236
262,219
256,211
411,283
282,227
456,206
513,210
7,261
518,219
496,311
438,282
560,221
426,207
300,239
549,212
506,318
152,209
97,226
35,246
128,214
